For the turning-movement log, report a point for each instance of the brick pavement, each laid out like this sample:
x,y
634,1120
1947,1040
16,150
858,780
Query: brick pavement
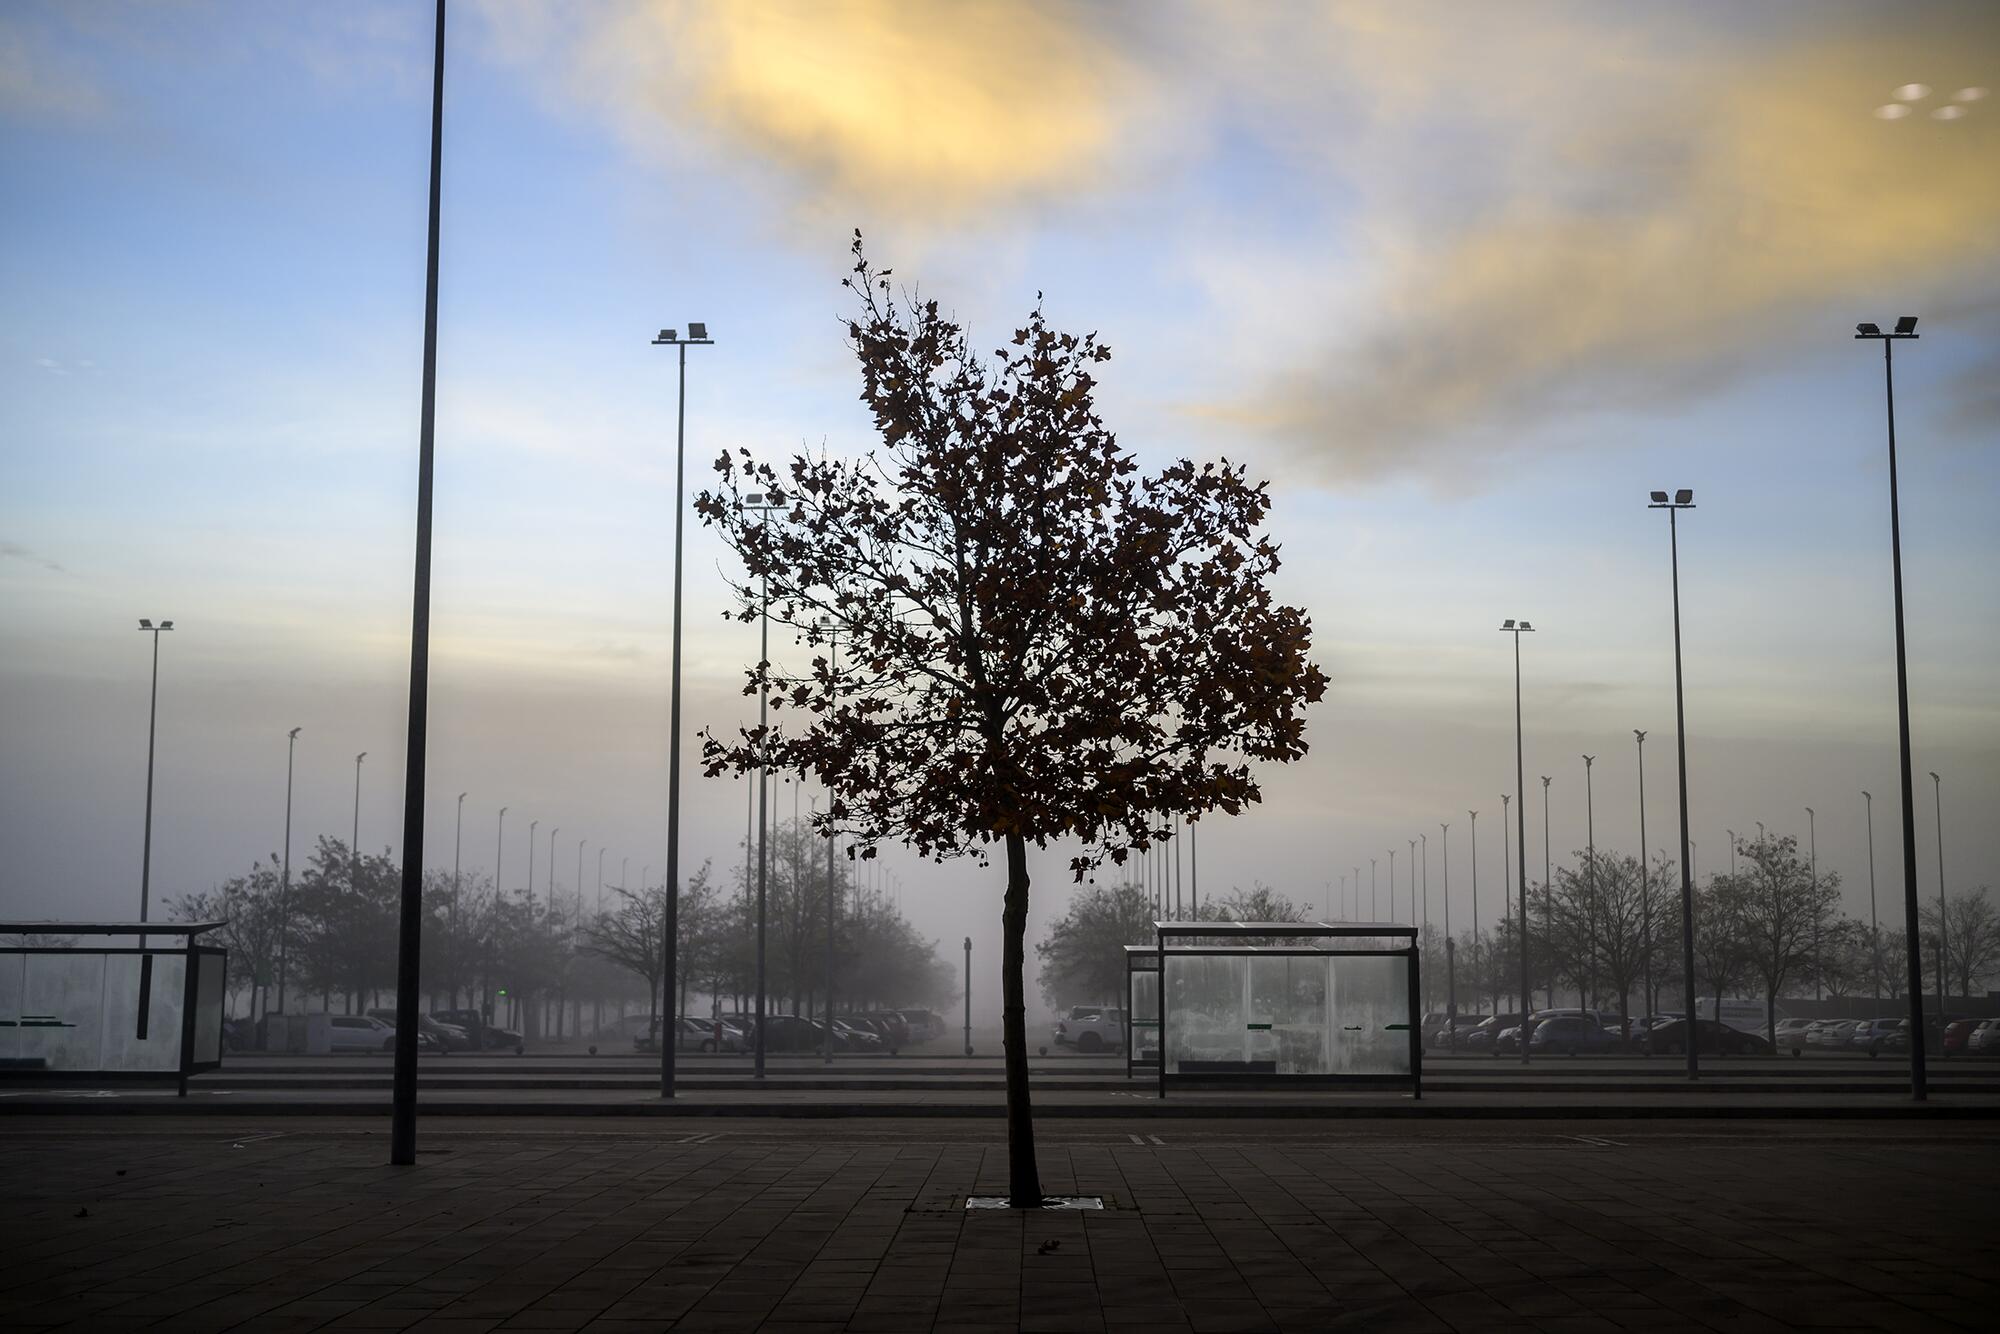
x,y
1234,1226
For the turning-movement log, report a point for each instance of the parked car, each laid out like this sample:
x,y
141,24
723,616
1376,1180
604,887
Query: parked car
x,y
925,1025
1791,1035
1956,1033
1485,1035
1572,1035
1454,1036
891,1026
432,1035
358,1032
1985,1039
1830,1034
697,1035
1091,1028
1876,1036
847,1037
782,1032
1670,1039
485,1037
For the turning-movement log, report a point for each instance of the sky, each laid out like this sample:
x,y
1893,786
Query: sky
x,y
1463,282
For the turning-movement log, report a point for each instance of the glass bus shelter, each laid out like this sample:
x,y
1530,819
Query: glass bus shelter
x,y
1278,1004
105,1010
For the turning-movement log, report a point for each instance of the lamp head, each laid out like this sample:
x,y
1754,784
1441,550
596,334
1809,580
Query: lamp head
x,y
697,330
1507,624
294,733
145,623
362,756
1637,733
1659,497
1906,324
1526,626
1935,778
667,336
1867,330
1684,496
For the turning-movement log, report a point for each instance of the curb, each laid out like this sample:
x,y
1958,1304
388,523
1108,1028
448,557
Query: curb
x,y
1414,1111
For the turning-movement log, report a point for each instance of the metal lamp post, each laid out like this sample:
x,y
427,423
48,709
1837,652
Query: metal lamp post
x,y
354,838
1590,880
457,848
1645,883
1906,327
1943,951
1812,842
146,847
1874,922
285,877
1451,978
1682,499
410,917
1548,877
758,501
1517,629
1506,887
968,995
670,935
1475,902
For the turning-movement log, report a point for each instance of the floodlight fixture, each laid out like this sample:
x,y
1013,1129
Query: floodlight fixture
x,y
1684,496
1659,497
1507,624
1867,330
1906,327
1906,324
697,331
145,623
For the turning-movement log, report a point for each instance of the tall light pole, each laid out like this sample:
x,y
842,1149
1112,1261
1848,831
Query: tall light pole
x,y
1374,908
1507,889
354,838
1475,897
1548,877
1517,629
1906,327
968,995
1392,883
1812,842
499,851
532,826
1424,920
1194,870
1874,922
410,919
598,907
457,848
759,501
285,880
1734,839
1590,882
554,831
1451,975
1645,883
1683,499
146,845
285,877
670,935
1943,951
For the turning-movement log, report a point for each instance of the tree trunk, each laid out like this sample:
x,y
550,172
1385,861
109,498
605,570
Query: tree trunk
x,y
1024,1182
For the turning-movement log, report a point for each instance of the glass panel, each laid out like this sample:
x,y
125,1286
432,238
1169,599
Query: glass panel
x,y
1284,1014
208,981
12,969
1207,999
1371,1015
161,1048
1145,998
62,1014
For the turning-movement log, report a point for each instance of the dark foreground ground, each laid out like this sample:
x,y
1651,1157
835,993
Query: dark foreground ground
x,y
204,1224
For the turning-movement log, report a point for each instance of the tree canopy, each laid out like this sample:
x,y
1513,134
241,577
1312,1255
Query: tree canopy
x,y
1023,638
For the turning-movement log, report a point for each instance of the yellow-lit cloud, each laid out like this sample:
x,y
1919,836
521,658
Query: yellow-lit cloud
x,y
932,109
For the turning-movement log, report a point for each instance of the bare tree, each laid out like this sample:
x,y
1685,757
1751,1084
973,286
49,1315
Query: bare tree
x,y
1971,938
1780,908
1037,642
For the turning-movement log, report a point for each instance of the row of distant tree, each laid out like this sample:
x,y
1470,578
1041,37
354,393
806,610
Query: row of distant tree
x,y
1605,934
329,939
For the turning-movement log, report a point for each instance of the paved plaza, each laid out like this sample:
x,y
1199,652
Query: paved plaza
x,y
193,1224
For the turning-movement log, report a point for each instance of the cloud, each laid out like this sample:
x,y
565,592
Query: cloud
x,y
36,81
1621,230
15,551
1432,229
936,110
